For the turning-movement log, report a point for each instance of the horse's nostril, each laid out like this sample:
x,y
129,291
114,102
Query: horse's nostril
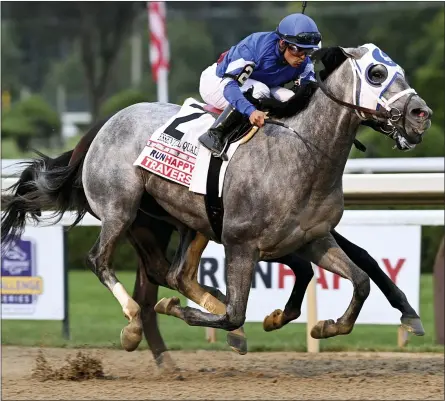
x,y
421,113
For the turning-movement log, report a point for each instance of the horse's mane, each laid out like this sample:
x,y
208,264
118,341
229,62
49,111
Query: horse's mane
x,y
331,57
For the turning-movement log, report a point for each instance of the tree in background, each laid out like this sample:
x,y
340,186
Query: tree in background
x,y
30,118
412,34
85,47
99,28
11,61
101,36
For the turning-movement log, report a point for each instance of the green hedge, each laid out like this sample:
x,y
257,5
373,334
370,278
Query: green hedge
x,y
121,100
81,239
30,118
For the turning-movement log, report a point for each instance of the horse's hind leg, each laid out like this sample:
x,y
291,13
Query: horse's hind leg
x,y
146,295
116,218
303,273
410,319
240,259
183,277
98,260
151,251
326,253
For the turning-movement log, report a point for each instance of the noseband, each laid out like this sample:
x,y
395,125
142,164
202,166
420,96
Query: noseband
x,y
389,115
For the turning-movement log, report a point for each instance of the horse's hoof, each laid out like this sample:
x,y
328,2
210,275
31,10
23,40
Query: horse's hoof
x,y
413,325
273,321
324,329
165,362
165,304
237,343
131,336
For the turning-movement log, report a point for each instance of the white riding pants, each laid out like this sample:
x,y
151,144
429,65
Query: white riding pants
x,y
211,89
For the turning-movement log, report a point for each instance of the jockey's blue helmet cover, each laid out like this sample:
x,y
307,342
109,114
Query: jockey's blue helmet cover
x,y
300,30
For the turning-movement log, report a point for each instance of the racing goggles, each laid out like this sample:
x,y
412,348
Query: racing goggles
x,y
303,39
299,51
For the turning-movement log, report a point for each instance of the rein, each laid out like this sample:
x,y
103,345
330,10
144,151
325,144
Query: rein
x,y
382,113
357,143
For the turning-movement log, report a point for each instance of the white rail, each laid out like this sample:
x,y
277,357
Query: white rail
x,y
396,165
350,217
372,184
410,183
375,165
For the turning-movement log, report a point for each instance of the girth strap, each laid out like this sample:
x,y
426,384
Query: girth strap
x,y
214,204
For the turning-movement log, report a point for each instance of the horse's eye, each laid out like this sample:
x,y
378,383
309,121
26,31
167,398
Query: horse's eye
x,y
377,74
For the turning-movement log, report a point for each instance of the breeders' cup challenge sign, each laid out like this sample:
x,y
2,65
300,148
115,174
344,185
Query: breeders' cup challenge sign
x,y
32,273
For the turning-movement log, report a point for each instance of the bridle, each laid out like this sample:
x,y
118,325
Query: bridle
x,y
387,114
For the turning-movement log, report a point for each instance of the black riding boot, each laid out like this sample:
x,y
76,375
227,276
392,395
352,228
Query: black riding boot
x,y
213,139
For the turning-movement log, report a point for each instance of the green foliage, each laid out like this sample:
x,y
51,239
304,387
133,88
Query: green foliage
x,y
68,73
429,77
121,100
189,57
431,238
11,60
82,239
14,125
30,118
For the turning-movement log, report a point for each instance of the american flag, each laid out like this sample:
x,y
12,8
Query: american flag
x,y
159,49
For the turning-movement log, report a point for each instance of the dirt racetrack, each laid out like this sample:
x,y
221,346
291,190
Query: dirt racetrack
x,y
226,375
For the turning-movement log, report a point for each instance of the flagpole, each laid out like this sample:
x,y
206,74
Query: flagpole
x,y
159,47
162,85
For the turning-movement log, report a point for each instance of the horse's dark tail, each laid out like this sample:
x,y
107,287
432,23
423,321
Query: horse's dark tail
x,y
22,200
60,189
48,184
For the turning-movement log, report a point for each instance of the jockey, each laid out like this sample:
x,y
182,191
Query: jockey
x,y
265,61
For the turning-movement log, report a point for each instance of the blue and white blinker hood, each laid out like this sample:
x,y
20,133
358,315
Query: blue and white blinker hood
x,y
367,93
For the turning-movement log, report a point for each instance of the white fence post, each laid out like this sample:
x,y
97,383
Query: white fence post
x,y
313,345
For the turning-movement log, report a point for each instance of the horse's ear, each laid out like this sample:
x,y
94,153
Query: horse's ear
x,y
354,52
331,57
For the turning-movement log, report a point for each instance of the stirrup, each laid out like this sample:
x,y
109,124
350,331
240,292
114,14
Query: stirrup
x,y
222,155
214,153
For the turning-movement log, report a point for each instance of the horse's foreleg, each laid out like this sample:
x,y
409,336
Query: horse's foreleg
x,y
183,275
410,319
240,261
326,253
303,273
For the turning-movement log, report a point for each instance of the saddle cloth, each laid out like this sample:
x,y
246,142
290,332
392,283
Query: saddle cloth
x,y
174,152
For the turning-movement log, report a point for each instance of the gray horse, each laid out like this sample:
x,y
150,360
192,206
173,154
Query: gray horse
x,y
282,194
141,237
